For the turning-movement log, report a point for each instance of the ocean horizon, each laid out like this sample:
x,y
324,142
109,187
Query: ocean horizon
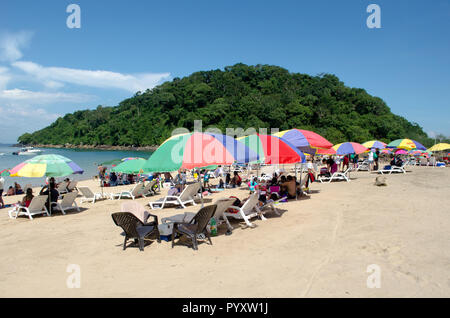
x,y
87,159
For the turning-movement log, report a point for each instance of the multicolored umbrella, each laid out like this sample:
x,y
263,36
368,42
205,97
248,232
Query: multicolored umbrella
x,y
305,140
346,148
196,150
374,144
46,165
401,152
4,173
386,151
273,149
130,166
328,151
440,147
407,144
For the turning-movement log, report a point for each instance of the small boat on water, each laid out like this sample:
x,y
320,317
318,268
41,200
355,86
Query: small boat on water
x,y
27,151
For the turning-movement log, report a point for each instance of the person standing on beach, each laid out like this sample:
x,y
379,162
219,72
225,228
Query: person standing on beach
x,y
345,163
371,157
2,184
376,157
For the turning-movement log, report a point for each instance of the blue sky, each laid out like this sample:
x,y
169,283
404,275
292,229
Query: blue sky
x,y
47,69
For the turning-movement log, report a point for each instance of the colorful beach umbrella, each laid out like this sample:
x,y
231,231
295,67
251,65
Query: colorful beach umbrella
x,y
346,148
407,144
130,166
305,140
46,166
401,152
374,144
386,151
273,149
440,147
328,151
4,173
196,150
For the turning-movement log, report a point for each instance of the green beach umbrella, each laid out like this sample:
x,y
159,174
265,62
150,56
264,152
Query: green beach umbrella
x,y
133,166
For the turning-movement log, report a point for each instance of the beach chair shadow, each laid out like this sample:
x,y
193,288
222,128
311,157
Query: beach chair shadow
x,y
58,213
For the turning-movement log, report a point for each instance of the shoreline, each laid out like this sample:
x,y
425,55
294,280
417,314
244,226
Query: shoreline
x,y
91,147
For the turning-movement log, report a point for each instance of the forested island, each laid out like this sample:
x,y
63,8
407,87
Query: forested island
x,y
260,96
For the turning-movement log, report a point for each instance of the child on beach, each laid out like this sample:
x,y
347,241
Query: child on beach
x,y
252,185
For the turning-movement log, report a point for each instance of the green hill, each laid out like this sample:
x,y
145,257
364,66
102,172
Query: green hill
x,y
238,96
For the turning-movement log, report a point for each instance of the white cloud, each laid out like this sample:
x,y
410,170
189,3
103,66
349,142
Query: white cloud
x,y
5,77
36,98
92,78
11,45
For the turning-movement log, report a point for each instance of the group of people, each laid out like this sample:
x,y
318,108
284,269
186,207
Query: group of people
x,y
51,187
113,179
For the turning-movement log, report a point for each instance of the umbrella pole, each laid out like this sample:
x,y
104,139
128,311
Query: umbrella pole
x,y
201,188
296,192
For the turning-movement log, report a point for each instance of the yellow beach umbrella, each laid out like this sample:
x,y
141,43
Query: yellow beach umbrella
x,y
440,147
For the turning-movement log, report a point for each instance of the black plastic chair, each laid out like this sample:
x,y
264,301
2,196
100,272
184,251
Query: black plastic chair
x,y
135,229
196,226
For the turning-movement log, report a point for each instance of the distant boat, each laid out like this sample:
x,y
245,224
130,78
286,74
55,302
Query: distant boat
x,y
27,151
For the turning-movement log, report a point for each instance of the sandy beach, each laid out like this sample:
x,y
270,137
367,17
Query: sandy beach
x,y
321,246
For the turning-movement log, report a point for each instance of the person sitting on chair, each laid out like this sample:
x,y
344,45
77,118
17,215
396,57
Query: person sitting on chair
x,y
113,179
54,194
26,200
18,188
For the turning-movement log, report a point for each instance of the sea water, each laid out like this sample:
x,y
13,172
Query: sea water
x,y
88,160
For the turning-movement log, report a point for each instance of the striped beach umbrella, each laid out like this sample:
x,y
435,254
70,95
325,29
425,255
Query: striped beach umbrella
x,y
346,148
46,166
305,140
196,150
407,144
273,149
374,144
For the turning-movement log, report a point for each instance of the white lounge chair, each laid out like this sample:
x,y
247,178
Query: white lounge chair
x,y
363,166
393,169
62,187
90,196
249,210
67,203
148,189
341,175
187,196
135,192
72,185
27,186
37,206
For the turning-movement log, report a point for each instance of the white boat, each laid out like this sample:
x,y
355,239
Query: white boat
x,y
27,151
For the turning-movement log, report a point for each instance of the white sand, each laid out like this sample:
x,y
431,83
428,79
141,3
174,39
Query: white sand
x,y
321,247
